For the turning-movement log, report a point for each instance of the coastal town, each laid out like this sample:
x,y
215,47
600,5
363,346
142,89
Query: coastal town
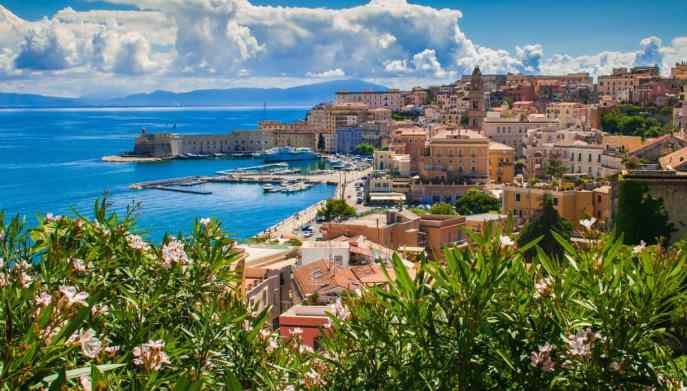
x,y
408,164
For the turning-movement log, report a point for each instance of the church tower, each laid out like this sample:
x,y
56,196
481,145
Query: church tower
x,y
477,110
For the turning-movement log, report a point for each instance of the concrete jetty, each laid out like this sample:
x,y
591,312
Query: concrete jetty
x,y
188,191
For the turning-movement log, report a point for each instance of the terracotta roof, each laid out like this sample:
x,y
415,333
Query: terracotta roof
x,y
324,275
676,160
373,274
629,143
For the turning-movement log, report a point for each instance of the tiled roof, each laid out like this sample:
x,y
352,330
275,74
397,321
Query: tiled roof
x,y
324,275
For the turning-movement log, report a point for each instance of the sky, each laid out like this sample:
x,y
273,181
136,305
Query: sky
x,y
116,47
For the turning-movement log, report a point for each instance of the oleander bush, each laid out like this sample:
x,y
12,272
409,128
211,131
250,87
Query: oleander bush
x,y
602,317
88,304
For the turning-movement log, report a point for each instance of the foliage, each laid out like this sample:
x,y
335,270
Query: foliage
x,y
475,201
442,208
633,120
419,211
640,216
543,226
335,209
489,319
91,302
554,168
364,149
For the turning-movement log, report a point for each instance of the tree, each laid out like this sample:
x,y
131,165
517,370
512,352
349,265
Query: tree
x,y
554,168
321,145
336,209
442,208
475,201
546,221
364,149
640,217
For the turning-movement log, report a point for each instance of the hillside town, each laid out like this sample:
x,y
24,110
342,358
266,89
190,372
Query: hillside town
x,y
510,142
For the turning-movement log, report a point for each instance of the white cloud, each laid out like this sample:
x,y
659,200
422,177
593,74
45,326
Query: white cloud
x,y
205,41
332,73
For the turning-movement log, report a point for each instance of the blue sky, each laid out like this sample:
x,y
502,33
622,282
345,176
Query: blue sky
x,y
572,27
114,47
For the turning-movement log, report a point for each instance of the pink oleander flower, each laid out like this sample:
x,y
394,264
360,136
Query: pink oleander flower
x,y
49,218
588,223
100,309
136,242
296,331
23,266
85,383
581,343
542,358
506,241
290,387
173,252
78,265
340,310
639,248
150,355
265,333
2,262
90,345
205,221
71,297
112,350
313,376
272,345
4,280
304,348
43,300
543,287
24,279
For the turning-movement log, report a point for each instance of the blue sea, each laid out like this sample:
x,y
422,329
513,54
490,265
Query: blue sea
x,y
50,162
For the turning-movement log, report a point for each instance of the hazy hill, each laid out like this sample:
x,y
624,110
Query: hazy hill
x,y
301,95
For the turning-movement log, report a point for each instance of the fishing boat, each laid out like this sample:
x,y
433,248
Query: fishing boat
x,y
286,154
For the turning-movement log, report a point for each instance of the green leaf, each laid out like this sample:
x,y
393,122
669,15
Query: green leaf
x,y
78,372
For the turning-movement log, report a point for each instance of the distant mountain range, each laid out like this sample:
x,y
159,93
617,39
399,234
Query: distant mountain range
x,y
302,95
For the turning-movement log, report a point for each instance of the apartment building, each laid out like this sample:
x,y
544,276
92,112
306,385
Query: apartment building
x,y
511,128
373,99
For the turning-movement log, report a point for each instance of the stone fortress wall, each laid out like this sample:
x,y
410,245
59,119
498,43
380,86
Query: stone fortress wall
x,y
171,145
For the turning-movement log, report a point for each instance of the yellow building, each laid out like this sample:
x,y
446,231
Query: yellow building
x,y
456,156
573,205
501,163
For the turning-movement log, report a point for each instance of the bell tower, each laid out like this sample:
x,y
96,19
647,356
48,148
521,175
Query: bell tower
x,y
477,110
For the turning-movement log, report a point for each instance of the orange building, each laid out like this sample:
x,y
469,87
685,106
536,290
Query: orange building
x,y
573,205
409,141
501,163
306,322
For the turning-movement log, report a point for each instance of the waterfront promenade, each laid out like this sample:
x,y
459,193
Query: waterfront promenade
x,y
345,188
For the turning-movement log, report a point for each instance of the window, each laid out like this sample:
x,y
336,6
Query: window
x,y
555,201
517,197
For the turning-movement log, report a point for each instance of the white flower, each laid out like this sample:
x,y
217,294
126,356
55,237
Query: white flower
x,y
173,252
150,355
290,387
90,345
78,265
43,299
580,344
587,223
49,217
506,241
340,310
112,350
72,297
100,309
137,243
2,261
638,249
296,331
543,287
205,221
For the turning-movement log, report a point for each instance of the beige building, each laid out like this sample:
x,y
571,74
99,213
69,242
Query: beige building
x,y
523,203
623,83
409,141
569,114
373,99
675,161
511,128
174,145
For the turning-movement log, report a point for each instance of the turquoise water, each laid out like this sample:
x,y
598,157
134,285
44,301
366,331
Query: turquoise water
x,y
50,162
